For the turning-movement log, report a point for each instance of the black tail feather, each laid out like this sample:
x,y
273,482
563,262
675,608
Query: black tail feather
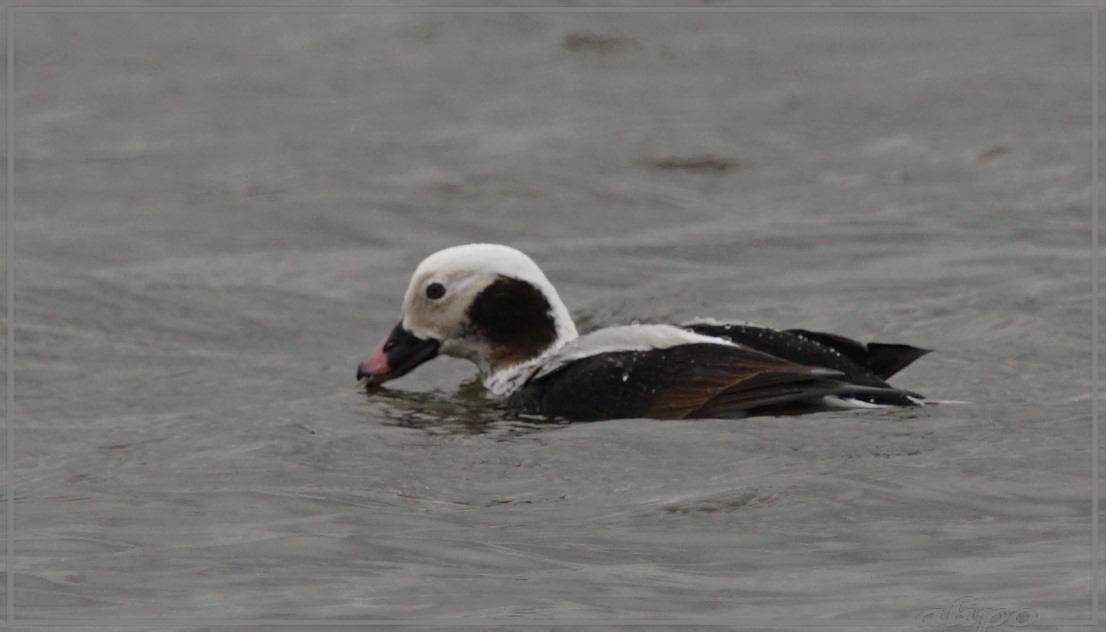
x,y
882,359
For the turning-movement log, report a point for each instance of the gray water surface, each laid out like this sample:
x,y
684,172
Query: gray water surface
x,y
217,215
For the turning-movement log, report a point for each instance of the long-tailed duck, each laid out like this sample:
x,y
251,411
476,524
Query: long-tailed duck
x,y
491,304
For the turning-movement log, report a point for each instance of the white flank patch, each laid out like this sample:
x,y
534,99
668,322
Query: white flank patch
x,y
833,401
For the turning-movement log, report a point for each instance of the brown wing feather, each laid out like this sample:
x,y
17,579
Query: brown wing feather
x,y
767,393
735,381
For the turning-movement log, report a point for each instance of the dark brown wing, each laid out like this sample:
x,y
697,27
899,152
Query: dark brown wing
x,y
691,380
790,397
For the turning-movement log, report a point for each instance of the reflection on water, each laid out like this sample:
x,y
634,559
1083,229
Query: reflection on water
x,y
468,410
739,500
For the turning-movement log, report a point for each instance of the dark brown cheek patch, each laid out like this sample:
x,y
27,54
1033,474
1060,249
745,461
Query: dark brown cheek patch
x,y
514,318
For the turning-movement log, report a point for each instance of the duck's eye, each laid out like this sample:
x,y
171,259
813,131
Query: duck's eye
x,y
435,291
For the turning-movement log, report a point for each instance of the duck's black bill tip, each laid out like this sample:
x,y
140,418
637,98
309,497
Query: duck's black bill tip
x,y
397,355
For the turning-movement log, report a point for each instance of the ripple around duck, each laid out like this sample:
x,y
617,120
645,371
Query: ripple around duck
x,y
468,410
745,499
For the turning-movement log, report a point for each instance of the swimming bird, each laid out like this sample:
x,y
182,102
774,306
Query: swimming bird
x,y
492,305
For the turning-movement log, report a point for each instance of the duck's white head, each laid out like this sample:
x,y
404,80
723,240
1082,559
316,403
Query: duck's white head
x,y
487,303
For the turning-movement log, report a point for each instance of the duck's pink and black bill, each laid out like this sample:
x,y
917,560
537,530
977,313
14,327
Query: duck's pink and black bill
x,y
397,355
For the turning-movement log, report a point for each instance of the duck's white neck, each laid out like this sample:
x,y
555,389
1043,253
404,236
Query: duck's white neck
x,y
505,381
